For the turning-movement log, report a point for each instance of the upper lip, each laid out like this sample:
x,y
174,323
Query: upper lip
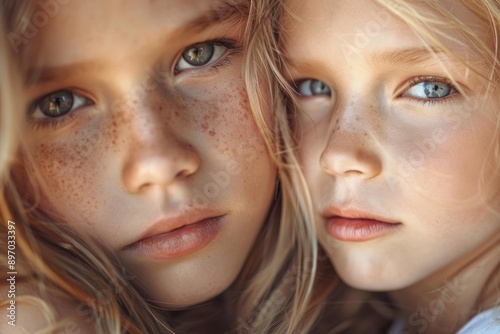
x,y
354,213
167,224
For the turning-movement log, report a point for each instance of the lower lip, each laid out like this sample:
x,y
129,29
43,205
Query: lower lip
x,y
179,242
347,229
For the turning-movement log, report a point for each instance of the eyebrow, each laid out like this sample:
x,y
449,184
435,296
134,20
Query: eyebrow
x,y
407,56
228,10
423,55
42,74
233,11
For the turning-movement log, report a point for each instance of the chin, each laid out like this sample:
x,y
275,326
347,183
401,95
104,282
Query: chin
x,y
363,276
182,298
181,288
367,283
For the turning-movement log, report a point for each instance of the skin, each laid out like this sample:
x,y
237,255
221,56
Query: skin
x,y
372,142
149,140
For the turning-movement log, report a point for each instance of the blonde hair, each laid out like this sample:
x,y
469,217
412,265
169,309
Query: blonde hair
x,y
295,234
276,284
273,288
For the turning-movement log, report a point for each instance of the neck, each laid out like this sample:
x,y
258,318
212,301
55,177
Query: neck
x,y
446,300
195,319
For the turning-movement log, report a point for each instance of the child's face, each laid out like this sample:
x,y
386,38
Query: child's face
x,y
159,135
392,149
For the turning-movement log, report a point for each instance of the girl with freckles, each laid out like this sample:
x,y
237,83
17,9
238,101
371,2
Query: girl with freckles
x,y
397,122
146,185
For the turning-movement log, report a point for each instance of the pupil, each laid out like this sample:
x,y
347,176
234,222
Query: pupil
x,y
57,104
436,90
319,87
199,54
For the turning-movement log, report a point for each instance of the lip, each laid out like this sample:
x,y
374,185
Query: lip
x,y
177,236
350,224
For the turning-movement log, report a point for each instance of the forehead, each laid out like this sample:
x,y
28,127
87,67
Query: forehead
x,y
366,26
75,28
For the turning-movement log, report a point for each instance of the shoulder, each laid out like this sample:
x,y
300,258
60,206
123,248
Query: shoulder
x,y
24,310
485,322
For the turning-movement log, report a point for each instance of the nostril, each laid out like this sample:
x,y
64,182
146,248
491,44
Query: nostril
x,y
183,174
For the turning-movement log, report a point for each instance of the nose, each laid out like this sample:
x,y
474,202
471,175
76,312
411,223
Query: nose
x,y
156,156
351,152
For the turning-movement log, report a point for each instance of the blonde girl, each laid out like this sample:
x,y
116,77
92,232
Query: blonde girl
x,y
399,140
148,149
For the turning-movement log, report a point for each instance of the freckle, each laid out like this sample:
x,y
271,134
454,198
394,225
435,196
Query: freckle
x,y
177,113
366,134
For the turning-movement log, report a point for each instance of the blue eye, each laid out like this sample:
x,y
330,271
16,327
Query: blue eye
x,y
313,87
429,90
58,104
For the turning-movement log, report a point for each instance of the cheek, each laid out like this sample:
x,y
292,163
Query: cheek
x,y
67,171
225,121
230,141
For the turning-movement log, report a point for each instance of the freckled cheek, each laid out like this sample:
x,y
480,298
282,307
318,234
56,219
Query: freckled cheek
x,y
230,130
69,177
224,118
